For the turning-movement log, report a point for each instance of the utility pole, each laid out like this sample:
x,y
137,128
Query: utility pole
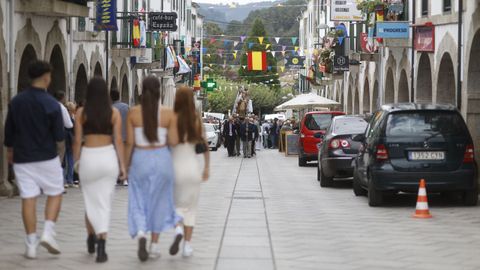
x,y
412,72
459,56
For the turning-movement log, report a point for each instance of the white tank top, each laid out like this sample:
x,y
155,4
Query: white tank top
x,y
142,141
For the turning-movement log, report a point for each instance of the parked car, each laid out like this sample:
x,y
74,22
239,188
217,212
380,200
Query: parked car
x,y
312,122
408,142
337,151
213,136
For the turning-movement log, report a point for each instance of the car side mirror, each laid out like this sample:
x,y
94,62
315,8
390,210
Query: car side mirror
x,y
318,135
359,138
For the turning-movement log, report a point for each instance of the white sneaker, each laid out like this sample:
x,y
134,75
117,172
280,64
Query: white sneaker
x,y
48,241
31,250
154,250
187,250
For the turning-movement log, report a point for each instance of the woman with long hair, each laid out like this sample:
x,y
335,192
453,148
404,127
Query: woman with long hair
x,y
98,126
151,130
187,181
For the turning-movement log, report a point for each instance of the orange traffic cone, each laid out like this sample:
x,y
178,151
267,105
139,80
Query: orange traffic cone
x,y
422,202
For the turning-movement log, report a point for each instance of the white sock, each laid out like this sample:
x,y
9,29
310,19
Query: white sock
x,y
140,234
187,243
179,230
32,238
49,227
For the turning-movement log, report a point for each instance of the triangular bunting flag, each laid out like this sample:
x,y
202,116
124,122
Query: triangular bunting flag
x,y
284,48
209,55
250,45
267,46
277,39
269,68
242,38
235,55
210,65
235,43
294,40
296,48
283,53
221,55
212,40
244,67
260,39
204,50
225,43
282,68
273,53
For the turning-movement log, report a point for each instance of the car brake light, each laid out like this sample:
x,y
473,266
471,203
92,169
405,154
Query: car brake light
x,y
382,153
469,155
336,143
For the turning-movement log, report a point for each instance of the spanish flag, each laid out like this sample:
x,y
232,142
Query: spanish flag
x,y
257,61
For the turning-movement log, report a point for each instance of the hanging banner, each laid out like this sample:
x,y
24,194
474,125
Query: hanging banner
x,y
393,30
367,47
295,62
106,17
163,21
424,38
345,10
341,63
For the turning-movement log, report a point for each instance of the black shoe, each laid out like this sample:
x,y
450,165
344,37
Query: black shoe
x,y
175,245
142,249
101,254
91,241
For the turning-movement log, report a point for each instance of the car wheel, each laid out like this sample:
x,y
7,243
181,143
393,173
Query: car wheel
x,y
324,180
358,190
470,198
375,197
318,173
302,162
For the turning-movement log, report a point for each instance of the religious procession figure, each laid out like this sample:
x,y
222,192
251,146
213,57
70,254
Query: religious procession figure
x,y
243,104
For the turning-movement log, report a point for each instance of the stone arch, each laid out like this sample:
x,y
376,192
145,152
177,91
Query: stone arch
x,y
27,36
124,85
472,79
59,80
389,87
366,97
375,105
28,55
97,63
137,95
113,75
81,82
424,79
5,188
80,60
113,83
446,86
349,100
403,92
98,70
356,103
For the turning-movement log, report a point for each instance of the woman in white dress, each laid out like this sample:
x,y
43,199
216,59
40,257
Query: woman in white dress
x,y
189,173
100,164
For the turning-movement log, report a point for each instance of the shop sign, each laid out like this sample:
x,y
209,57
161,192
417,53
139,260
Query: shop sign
x,y
341,63
163,21
345,10
369,45
424,38
398,30
106,15
295,62
144,56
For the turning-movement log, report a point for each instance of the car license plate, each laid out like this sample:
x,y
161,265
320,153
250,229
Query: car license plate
x,y
437,155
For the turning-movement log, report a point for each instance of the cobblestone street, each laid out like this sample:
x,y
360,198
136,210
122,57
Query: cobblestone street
x,y
267,213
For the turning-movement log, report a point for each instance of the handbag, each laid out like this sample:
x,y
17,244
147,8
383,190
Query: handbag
x,y
200,148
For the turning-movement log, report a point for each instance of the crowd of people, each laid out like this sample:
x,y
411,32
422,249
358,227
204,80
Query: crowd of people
x,y
104,141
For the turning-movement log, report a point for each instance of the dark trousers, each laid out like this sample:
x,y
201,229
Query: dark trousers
x,y
230,145
253,147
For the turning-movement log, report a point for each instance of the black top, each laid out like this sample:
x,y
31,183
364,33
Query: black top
x,y
34,125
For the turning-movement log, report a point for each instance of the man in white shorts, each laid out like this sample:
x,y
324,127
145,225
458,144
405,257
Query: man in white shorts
x,y
33,128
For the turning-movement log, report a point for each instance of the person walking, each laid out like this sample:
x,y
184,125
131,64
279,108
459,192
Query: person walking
x,y
123,109
187,181
151,130
265,131
67,122
33,128
246,134
100,164
254,127
68,160
230,134
238,140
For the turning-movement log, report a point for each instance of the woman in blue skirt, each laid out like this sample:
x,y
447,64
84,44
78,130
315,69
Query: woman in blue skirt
x,y
151,130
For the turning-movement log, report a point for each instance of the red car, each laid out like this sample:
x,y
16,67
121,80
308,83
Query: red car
x,y
312,123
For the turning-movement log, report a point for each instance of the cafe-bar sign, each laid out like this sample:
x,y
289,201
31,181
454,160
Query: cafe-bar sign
x,y
163,21
106,17
345,10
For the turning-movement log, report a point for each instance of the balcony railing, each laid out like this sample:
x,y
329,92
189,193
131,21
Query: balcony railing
x,y
53,8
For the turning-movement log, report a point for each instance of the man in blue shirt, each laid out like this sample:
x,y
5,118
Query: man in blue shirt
x,y
123,109
33,128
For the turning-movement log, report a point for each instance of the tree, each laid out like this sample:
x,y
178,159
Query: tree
x,y
252,44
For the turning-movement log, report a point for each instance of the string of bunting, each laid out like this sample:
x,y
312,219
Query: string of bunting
x,y
282,68
214,39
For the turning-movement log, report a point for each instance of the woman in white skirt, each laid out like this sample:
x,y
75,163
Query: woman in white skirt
x,y
100,164
189,173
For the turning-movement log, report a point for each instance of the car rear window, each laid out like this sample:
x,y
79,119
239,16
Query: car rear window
x,y
209,128
318,121
426,124
350,125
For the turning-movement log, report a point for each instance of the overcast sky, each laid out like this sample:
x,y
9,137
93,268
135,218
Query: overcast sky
x,y
229,1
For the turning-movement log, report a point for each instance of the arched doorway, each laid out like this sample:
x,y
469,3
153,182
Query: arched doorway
x,y
28,56
473,88
366,97
137,95
403,91
446,81
356,103
81,84
58,72
125,93
98,70
114,84
389,87
424,80
349,100
375,106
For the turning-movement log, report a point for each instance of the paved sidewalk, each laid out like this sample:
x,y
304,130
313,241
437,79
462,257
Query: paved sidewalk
x,y
267,213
